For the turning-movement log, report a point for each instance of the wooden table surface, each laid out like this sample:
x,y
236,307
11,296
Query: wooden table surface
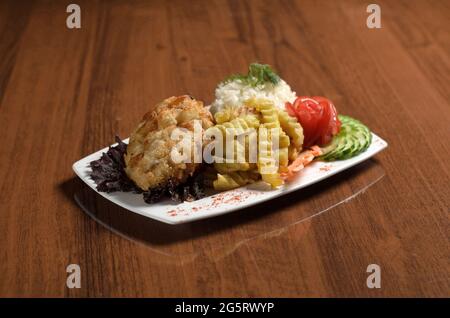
x,y
65,93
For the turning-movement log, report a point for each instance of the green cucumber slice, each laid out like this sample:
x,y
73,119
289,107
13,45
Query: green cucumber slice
x,y
353,139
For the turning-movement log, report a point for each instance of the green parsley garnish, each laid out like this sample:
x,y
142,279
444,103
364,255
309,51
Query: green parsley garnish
x,y
258,74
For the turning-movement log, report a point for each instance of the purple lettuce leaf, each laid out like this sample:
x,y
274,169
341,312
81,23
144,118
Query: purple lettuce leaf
x,y
109,174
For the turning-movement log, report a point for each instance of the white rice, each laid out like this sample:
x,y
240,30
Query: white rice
x,y
233,94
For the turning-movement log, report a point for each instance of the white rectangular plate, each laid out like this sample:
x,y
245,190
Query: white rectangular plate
x,y
224,202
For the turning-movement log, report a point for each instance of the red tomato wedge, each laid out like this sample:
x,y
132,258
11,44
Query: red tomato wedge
x,y
318,117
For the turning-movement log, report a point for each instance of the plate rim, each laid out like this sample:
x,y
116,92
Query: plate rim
x,y
174,221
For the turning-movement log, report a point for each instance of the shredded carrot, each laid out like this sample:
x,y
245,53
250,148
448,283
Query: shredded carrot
x,y
303,159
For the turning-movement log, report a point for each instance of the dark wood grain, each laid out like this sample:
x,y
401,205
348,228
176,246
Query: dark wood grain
x,y
66,93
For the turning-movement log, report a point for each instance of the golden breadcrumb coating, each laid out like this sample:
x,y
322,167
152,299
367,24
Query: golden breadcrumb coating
x,y
148,160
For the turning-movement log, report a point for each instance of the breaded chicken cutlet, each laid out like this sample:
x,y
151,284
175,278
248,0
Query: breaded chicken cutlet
x,y
148,159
